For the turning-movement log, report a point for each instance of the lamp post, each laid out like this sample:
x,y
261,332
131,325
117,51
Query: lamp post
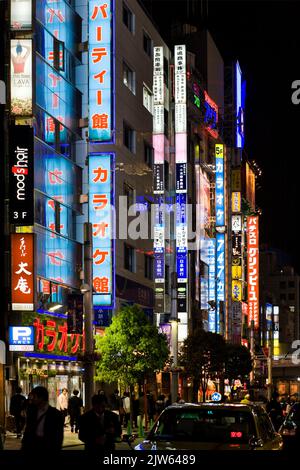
x,y
87,292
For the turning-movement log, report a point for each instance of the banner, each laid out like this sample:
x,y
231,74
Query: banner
x,y
21,77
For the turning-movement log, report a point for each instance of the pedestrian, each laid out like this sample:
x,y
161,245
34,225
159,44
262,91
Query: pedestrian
x,y
126,407
99,428
17,410
62,403
74,409
150,406
275,411
160,404
44,430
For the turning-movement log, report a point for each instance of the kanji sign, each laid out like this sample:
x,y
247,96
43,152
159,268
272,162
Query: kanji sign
x,y
22,271
101,218
253,270
101,58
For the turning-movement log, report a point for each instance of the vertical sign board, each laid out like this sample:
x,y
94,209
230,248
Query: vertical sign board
x,y
21,77
240,104
253,270
101,65
21,180
22,271
220,268
181,179
211,254
20,15
101,218
158,140
220,237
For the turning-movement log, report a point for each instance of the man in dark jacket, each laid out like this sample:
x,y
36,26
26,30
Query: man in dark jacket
x,y
44,431
99,428
17,410
74,408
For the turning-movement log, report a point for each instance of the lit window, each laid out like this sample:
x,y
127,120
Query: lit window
x,y
129,77
147,99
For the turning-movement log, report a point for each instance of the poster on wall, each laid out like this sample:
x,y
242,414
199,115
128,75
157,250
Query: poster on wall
x,y
20,15
21,77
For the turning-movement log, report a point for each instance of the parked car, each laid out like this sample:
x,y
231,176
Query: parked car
x,y
290,428
212,426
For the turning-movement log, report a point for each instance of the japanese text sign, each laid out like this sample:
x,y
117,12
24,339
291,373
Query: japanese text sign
x,y
253,270
22,271
100,70
220,203
101,218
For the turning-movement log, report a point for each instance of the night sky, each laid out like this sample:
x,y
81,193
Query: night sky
x,y
265,37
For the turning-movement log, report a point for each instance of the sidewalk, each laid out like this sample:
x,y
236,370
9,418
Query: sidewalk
x,y
71,442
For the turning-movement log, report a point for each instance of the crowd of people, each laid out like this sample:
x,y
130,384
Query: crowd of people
x,y
41,425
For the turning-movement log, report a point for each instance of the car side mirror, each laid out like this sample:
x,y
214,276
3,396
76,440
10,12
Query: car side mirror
x,y
255,442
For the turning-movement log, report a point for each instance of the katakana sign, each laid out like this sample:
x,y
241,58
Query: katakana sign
x,y
253,270
101,218
100,70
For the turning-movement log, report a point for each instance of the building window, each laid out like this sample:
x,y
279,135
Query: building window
x,y
291,296
129,137
129,258
282,285
147,44
129,77
148,153
130,194
147,99
282,297
128,18
148,267
291,284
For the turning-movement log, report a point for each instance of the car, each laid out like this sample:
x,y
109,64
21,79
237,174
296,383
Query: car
x,y
290,428
212,426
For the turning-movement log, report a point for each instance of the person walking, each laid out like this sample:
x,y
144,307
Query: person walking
x,y
274,410
17,410
126,407
74,409
99,428
44,430
62,403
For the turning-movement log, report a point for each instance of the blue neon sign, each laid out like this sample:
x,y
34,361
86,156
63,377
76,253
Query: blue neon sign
x,y
101,218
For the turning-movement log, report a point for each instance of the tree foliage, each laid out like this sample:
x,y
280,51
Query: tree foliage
x,y
203,357
238,361
131,348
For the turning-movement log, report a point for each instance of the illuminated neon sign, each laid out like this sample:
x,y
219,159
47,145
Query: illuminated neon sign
x,y
211,116
100,70
211,255
220,205
101,218
253,270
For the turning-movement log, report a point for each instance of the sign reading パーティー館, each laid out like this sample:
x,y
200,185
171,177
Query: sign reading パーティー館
x,y
101,70
21,179
22,271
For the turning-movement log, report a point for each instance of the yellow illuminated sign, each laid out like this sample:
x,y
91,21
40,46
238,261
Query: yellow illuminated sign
x,y
236,202
236,272
219,149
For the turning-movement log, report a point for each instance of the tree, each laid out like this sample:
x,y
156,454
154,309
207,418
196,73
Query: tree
x,y
130,349
202,357
238,362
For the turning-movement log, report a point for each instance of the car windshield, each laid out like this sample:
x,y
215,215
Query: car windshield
x,y
205,425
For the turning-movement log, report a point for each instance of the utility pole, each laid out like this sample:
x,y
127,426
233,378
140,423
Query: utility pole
x,y
87,290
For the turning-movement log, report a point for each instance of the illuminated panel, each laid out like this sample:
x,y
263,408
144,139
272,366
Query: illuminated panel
x,y
236,201
220,206
181,186
211,253
20,14
22,271
236,290
100,70
21,77
100,216
276,330
269,310
220,268
158,175
253,270
240,105
211,116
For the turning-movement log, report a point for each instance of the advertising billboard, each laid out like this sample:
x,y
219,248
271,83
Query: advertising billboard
x,y
220,203
21,77
101,218
20,14
253,269
21,178
240,105
250,186
101,66
220,274
22,271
